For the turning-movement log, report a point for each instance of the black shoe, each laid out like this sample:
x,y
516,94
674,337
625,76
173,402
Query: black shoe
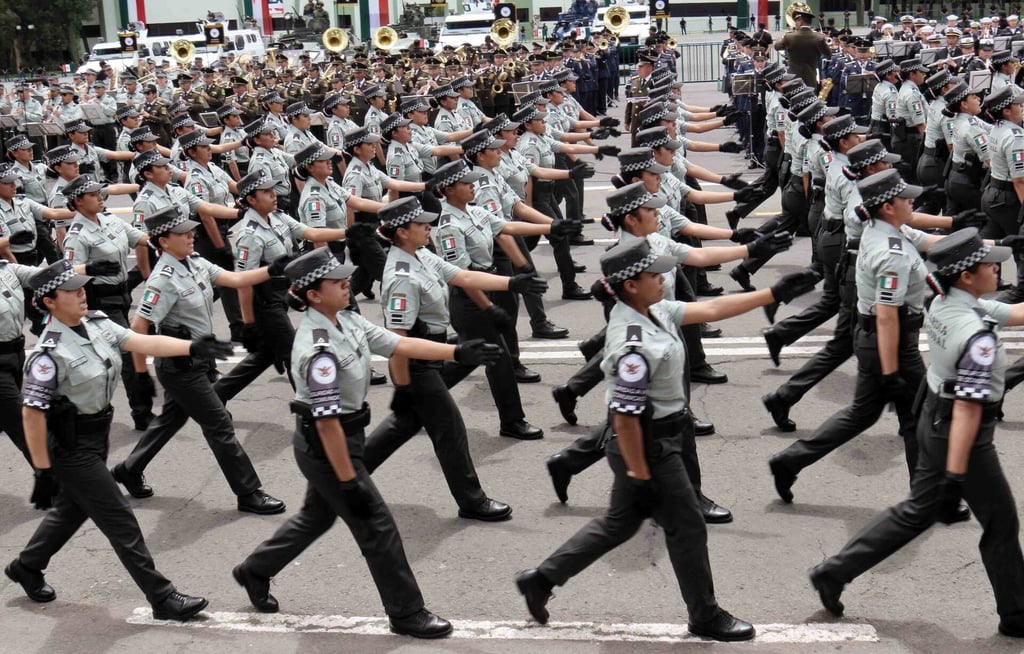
x,y
257,588
740,275
710,331
723,627
707,375
537,591
587,220
377,378
1011,629
422,624
142,421
770,310
521,430
487,511
260,503
135,484
733,217
829,589
963,513
580,239
560,477
713,513
236,334
575,292
578,267
526,376
779,411
774,344
566,402
178,606
550,331
784,480
702,427
369,295
32,582
709,290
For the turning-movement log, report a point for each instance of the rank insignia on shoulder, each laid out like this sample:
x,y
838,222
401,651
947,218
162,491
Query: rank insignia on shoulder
x,y
166,271
634,335
50,339
74,229
94,314
320,338
895,244
444,221
402,268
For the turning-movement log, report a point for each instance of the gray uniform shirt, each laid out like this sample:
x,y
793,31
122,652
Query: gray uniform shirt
x,y
180,294
883,101
276,163
910,104
1006,149
107,239
323,205
970,135
13,278
209,183
261,241
21,216
415,287
364,180
152,198
890,269
466,238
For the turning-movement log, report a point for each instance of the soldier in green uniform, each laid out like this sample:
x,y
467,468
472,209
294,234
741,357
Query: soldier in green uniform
x,y
69,382
963,394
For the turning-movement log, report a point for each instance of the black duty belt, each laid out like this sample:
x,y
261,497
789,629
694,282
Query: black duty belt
x,y
10,347
94,422
944,405
109,290
908,321
1000,185
832,225
929,151
668,426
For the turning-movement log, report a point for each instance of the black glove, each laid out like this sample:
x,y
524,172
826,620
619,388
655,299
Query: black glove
x,y
730,146
751,193
794,284
1015,242
280,364
104,268
144,384
734,182
402,401
969,218
358,231
614,132
600,134
608,121
646,493
744,235
358,497
225,256
208,347
527,283
22,238
276,267
498,316
951,490
769,244
608,151
730,119
252,339
894,387
240,214
719,109
581,170
45,489
560,228
477,352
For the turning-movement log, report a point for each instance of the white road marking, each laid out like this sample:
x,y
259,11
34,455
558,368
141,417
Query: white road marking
x,y
508,630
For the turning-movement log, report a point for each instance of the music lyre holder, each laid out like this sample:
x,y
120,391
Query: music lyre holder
x,y
930,55
883,49
44,129
8,122
519,89
903,50
1000,43
980,82
743,84
863,84
1016,48
209,119
92,112
317,118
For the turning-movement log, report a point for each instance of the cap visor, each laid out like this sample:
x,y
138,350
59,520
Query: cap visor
x,y
75,283
343,271
997,253
912,191
511,125
831,111
662,264
427,217
859,129
657,168
892,158
672,145
160,161
472,176
496,144
148,137
185,227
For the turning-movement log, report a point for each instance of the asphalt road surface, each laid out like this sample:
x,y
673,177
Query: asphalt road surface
x,y
931,597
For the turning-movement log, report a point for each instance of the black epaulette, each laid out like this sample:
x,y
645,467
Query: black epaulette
x,y
49,340
320,339
896,244
74,229
444,221
634,336
93,314
166,271
402,268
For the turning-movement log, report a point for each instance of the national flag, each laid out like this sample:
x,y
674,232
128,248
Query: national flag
x,y
981,141
197,188
491,206
397,304
393,171
151,297
313,206
139,218
888,282
243,254
448,243
1018,156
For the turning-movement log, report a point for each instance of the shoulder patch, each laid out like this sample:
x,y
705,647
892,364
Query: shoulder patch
x,y
895,244
629,393
444,221
166,271
94,314
74,229
402,268
634,335
320,338
50,340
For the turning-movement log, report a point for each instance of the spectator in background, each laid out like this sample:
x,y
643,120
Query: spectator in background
x,y
682,25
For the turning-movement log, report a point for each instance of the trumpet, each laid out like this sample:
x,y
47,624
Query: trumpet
x,y
671,43
499,86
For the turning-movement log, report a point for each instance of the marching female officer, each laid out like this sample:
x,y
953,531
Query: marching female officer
x,y
178,300
964,394
970,155
331,360
414,297
643,364
69,382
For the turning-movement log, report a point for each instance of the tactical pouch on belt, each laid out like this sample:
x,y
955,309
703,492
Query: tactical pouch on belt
x,y
180,363
60,419
305,425
899,129
974,170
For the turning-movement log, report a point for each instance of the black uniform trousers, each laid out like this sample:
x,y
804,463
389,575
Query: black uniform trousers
x,y
987,494
769,179
868,400
367,255
838,349
961,190
226,260
795,206
544,201
433,409
116,306
12,366
470,322
929,173
46,245
677,512
189,393
276,349
105,136
906,142
1000,203
377,537
831,239
88,491
566,189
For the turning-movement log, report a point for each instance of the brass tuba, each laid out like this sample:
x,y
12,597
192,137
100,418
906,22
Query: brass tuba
x,y
183,51
797,8
503,32
384,38
334,39
616,19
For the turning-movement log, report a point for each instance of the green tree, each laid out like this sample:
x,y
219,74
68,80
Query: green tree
x,y
55,36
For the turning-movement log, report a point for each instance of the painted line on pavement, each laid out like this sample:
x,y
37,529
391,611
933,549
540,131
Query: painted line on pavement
x,y
507,630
